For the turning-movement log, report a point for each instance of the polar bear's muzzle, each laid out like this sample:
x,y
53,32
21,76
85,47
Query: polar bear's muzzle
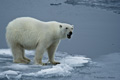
x,y
69,35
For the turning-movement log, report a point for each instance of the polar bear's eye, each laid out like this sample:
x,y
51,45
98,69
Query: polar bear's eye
x,y
66,28
60,26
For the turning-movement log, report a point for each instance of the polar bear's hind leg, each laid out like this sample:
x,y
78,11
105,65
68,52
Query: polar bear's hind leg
x,y
18,53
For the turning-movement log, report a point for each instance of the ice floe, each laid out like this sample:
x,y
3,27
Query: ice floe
x,y
67,66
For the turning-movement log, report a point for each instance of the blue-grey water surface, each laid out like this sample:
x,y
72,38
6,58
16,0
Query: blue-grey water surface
x,y
96,35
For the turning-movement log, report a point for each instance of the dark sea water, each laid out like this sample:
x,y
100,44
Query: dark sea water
x,y
93,53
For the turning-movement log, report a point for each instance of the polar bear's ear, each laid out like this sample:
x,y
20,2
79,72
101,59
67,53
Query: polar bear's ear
x,y
73,26
60,26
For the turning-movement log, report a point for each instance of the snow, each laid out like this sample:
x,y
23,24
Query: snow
x,y
8,52
75,61
17,67
8,75
64,69
5,52
10,72
68,64
59,70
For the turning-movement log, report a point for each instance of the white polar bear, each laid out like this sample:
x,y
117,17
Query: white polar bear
x,y
29,33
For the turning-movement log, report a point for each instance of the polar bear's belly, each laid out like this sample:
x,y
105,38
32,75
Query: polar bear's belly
x,y
28,43
29,46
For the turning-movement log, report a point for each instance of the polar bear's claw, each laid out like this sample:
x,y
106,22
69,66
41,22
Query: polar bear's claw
x,y
43,64
55,63
27,59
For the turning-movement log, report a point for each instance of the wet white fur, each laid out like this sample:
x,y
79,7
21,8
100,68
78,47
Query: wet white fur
x,y
29,33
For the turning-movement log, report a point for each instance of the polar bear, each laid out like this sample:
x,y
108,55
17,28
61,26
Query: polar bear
x,y
30,33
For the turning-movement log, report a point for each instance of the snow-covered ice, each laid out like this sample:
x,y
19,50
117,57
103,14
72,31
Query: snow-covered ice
x,y
17,67
67,66
58,70
10,72
75,60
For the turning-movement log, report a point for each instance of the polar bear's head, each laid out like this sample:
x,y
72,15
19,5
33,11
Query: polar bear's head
x,y
66,30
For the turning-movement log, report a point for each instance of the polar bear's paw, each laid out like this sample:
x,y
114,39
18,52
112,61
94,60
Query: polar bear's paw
x,y
21,61
43,64
27,59
55,63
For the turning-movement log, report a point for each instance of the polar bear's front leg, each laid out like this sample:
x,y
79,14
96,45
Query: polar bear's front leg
x,y
39,55
51,52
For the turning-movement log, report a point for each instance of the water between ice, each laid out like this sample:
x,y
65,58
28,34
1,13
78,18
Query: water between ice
x,y
9,70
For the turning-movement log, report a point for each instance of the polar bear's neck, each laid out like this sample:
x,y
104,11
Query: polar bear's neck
x,y
54,30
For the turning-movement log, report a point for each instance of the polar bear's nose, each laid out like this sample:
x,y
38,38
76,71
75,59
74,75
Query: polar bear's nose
x,y
70,33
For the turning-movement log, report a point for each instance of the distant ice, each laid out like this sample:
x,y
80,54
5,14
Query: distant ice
x,y
113,5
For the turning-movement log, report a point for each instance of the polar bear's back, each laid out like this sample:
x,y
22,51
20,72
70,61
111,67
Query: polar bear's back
x,y
25,31
24,22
